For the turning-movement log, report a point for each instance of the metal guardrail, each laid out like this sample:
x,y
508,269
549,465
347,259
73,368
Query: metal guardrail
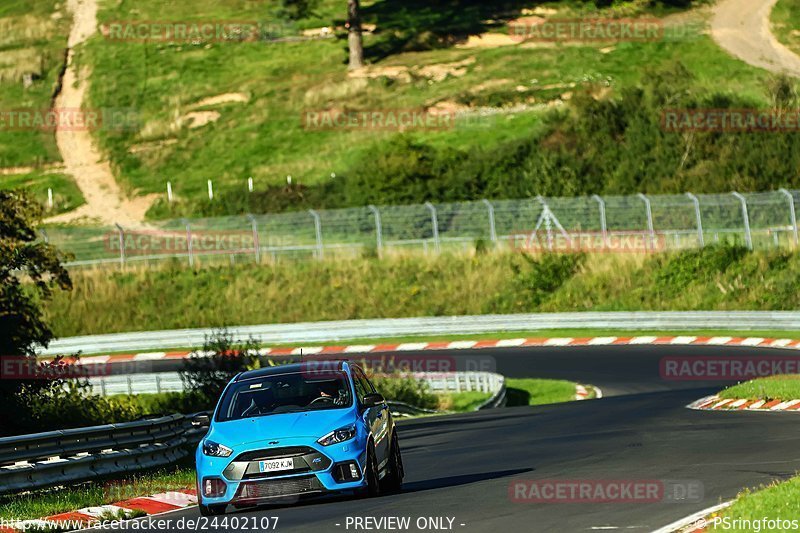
x,y
72,455
315,332
156,382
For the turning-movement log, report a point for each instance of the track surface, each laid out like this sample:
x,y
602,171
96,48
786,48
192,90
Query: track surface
x,y
460,466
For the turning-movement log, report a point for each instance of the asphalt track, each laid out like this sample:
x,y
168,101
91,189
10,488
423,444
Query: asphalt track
x,y
461,466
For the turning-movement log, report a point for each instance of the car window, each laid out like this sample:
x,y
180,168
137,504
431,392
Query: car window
x,y
283,393
361,383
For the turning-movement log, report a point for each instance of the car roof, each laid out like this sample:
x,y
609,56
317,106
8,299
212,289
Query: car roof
x,y
288,369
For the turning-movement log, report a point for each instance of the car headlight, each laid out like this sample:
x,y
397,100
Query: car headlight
x,y
340,435
216,450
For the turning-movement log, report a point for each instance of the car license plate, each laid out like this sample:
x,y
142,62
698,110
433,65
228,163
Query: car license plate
x,y
276,465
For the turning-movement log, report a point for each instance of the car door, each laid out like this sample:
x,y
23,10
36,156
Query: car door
x,y
372,415
384,418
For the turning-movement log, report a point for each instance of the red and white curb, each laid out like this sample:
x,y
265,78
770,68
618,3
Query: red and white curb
x,y
584,393
715,403
150,505
754,342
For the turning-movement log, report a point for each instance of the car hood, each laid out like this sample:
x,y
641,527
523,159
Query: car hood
x,y
310,424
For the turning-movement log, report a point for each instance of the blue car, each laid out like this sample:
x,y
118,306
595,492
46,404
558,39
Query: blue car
x,y
286,432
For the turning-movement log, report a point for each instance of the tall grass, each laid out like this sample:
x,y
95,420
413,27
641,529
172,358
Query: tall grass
x,y
106,301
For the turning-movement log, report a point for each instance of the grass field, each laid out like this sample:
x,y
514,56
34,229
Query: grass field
x,y
714,278
780,500
32,40
770,388
261,134
66,195
786,23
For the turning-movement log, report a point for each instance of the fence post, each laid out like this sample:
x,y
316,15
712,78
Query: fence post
x,y
250,184
121,245
188,241
435,225
792,214
699,218
748,237
50,198
492,226
378,228
256,245
603,224
318,232
169,192
650,227
210,190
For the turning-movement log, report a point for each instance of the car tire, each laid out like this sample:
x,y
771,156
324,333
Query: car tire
x,y
393,481
373,487
212,510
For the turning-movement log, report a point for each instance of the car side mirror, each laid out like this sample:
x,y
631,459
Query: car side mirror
x,y
373,399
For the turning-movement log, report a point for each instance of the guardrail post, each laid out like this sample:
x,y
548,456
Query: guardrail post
x,y
44,235
378,228
318,232
256,245
792,214
189,241
650,227
158,384
492,227
748,237
121,245
699,219
435,226
603,223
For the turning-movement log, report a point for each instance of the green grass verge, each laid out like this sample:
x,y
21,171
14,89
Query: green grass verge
x,y
785,20
529,391
97,492
462,402
780,500
715,278
66,195
770,388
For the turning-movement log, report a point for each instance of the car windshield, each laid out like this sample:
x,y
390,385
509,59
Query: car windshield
x,y
285,393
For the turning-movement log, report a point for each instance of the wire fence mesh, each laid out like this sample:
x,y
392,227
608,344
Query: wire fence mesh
x,y
615,224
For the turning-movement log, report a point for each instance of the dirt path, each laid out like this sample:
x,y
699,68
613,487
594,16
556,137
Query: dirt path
x,y
742,27
105,201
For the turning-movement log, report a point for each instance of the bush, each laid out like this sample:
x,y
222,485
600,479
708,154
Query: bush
x,y
405,389
207,374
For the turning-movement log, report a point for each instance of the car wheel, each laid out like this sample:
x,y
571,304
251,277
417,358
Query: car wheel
x,y
212,510
373,487
393,481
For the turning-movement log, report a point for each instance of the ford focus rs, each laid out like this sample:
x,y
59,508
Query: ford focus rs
x,y
298,430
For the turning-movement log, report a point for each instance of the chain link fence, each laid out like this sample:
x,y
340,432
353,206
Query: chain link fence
x,y
610,224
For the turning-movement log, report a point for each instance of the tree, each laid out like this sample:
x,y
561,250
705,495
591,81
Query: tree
x,y
30,270
354,39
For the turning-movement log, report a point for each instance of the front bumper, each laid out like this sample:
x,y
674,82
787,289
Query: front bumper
x,y
316,470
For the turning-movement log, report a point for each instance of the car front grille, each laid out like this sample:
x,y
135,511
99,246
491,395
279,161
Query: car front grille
x,y
272,453
259,490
